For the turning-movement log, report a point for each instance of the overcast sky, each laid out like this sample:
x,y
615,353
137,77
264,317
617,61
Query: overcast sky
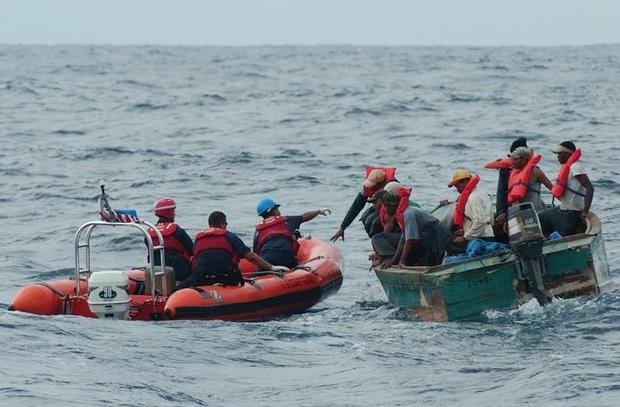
x,y
259,22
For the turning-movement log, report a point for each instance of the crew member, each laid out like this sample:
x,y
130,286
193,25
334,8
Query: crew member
x,y
178,245
217,253
275,239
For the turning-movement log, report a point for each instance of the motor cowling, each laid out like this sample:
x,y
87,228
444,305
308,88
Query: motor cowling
x,y
523,224
108,295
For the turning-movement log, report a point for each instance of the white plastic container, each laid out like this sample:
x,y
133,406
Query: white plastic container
x,y
107,294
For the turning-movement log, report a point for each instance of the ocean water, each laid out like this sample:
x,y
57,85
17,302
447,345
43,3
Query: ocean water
x,y
221,128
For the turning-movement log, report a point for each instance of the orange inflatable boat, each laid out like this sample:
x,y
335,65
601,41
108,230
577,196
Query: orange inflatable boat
x,y
318,275
147,293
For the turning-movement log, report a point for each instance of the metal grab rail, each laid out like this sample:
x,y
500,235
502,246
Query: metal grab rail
x,y
89,228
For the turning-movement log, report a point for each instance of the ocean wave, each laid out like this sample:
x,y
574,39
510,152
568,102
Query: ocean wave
x,y
146,107
62,132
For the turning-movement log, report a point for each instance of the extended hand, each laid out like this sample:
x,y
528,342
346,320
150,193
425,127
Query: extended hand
x,y
282,269
325,211
338,234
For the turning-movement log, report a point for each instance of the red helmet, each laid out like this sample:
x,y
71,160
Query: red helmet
x,y
165,207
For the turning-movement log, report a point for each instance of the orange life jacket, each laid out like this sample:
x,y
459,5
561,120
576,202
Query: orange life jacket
x,y
561,185
458,216
519,181
214,239
390,175
271,227
499,164
403,204
171,243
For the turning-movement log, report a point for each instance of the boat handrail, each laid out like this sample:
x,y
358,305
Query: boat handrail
x,y
143,227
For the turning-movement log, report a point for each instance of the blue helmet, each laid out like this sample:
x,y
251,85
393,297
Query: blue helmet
x,y
265,205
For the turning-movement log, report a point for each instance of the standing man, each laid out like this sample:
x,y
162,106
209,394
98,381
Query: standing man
x,y
217,253
275,239
376,180
574,190
177,243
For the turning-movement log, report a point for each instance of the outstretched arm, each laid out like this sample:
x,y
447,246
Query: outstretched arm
x,y
258,261
313,214
354,210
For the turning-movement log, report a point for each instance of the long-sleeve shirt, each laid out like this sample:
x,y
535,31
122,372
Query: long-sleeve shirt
x,y
478,216
355,209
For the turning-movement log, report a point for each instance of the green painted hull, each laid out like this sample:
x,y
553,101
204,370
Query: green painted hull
x,y
576,265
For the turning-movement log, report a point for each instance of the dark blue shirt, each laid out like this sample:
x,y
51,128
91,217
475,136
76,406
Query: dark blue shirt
x,y
278,250
219,262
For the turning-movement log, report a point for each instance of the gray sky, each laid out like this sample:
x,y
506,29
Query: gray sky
x,y
363,22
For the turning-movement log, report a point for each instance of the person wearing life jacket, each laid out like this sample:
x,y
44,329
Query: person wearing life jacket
x,y
504,165
376,180
217,253
384,244
275,239
178,246
524,184
423,240
473,213
574,190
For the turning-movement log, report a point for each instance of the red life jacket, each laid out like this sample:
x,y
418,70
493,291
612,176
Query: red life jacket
x,y
403,204
458,216
274,226
382,215
499,164
561,184
390,175
171,243
214,239
519,181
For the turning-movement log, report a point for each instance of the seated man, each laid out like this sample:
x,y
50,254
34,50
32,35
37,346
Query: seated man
x,y
385,243
473,212
573,188
275,239
177,243
217,253
423,242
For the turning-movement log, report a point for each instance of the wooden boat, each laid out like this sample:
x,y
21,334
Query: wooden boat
x,y
572,266
147,293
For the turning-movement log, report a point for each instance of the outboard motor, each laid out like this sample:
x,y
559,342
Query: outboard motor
x,y
526,240
107,294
